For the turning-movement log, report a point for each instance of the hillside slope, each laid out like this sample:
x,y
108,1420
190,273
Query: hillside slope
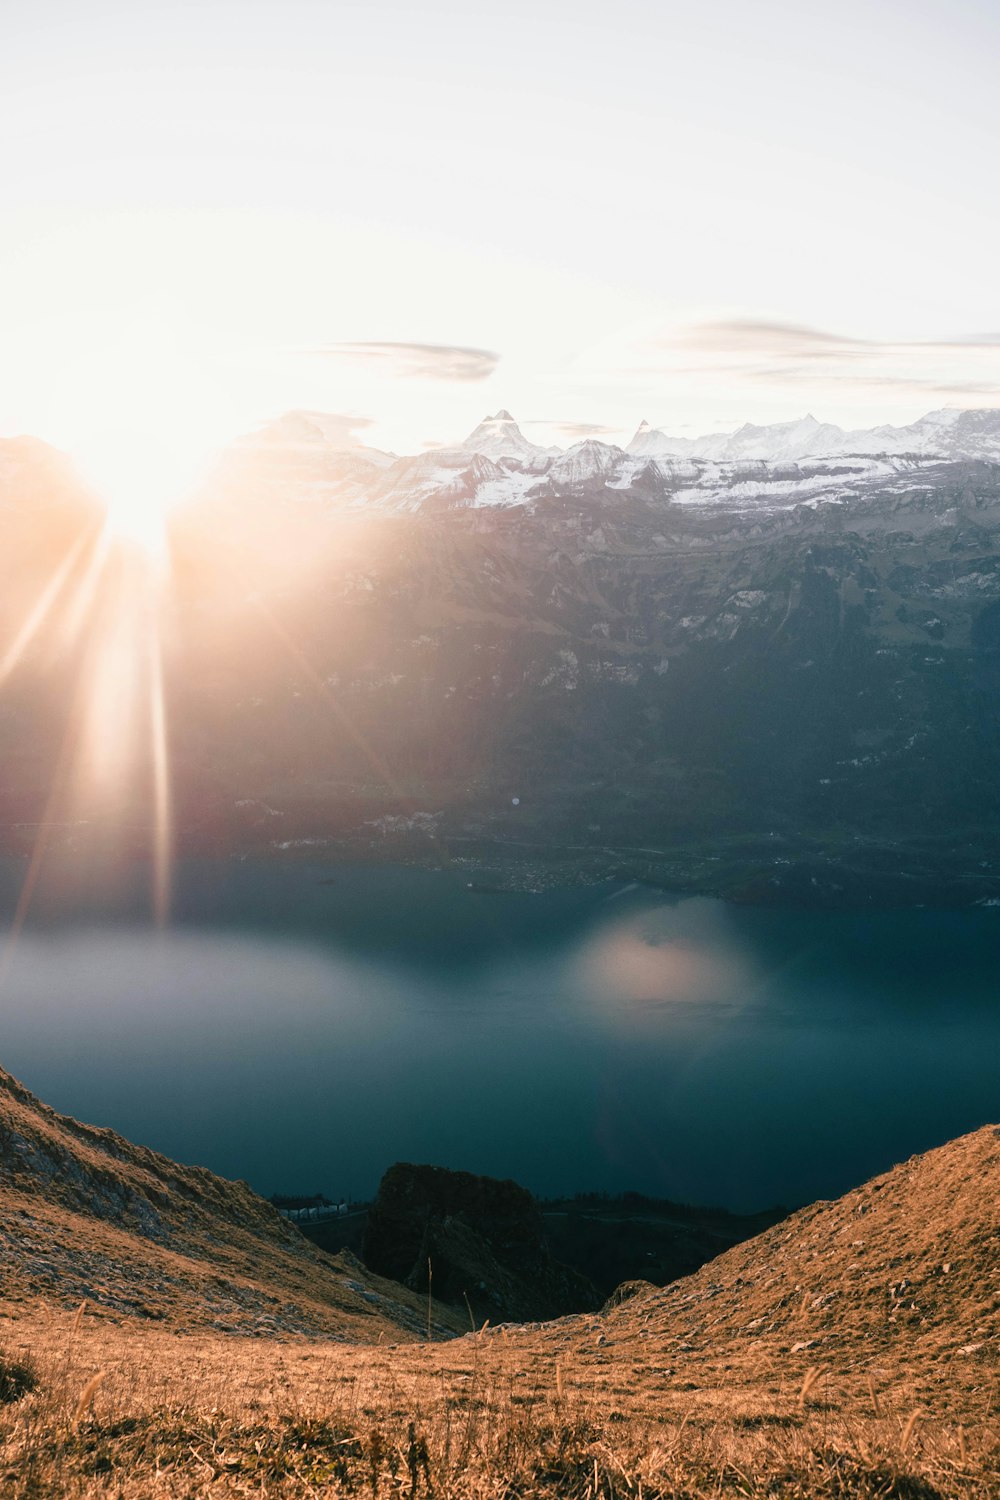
x,y
847,1354
86,1215
898,1280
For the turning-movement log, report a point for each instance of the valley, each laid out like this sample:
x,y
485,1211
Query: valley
x,y
848,1352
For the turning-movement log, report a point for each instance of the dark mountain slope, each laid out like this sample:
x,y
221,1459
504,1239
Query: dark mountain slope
x,y
795,705
703,687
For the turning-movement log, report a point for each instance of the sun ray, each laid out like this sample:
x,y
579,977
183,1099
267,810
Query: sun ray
x,y
115,738
298,655
43,608
87,587
162,822
60,778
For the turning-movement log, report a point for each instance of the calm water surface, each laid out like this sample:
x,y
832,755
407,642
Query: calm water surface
x,y
303,1027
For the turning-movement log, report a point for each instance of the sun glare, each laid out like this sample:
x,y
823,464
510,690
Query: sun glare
x,y
144,420
140,475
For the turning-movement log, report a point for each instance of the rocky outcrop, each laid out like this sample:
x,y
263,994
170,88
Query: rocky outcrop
x,y
477,1240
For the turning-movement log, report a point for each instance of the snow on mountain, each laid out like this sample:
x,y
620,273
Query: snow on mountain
x,y
408,482
769,487
500,437
777,443
944,434
315,459
582,463
449,478
650,442
482,482
311,433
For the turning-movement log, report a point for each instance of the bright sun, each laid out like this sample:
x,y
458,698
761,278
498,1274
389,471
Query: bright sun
x,y
140,473
146,423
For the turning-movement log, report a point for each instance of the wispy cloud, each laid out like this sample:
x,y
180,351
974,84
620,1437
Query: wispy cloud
x,y
303,428
757,350
772,340
573,432
453,362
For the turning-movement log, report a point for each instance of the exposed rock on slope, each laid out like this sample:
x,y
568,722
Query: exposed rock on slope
x,y
773,706
84,1214
773,681
484,1239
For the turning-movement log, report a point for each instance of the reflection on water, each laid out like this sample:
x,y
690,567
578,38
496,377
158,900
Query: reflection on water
x,y
648,964
304,1027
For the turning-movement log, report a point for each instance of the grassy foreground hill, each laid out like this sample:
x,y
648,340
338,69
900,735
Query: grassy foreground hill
x,y
848,1352
86,1215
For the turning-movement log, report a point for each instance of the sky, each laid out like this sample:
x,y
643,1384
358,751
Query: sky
x,y
694,213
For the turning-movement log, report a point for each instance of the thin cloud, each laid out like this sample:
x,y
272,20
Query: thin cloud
x,y
302,427
452,362
575,431
970,388
963,341
761,351
795,340
739,334
910,383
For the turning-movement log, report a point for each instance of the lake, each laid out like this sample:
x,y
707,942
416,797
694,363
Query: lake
x,y
303,1026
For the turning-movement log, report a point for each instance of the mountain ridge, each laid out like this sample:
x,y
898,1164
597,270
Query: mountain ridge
x,y
764,468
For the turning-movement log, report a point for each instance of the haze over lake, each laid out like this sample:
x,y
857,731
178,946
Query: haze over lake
x,y
304,1026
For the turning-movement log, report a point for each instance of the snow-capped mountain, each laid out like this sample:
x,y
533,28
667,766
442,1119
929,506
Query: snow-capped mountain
x,y
309,434
943,434
448,476
583,462
650,442
667,636
500,437
316,459
946,434
778,443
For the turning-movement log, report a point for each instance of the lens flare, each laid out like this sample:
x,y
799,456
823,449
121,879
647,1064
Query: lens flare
x,y
103,607
650,968
141,475
39,614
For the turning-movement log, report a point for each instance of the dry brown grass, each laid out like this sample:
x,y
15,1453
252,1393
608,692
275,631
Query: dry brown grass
x,y
185,1343
88,1217
200,1416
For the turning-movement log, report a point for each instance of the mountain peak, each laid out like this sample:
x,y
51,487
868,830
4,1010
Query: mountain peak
x,y
500,437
